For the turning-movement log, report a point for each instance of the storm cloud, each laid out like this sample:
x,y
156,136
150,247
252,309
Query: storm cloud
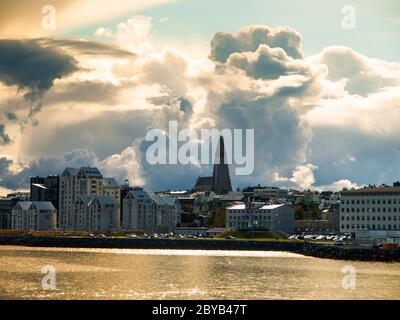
x,y
27,65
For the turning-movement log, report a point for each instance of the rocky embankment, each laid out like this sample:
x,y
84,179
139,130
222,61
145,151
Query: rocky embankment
x,y
308,249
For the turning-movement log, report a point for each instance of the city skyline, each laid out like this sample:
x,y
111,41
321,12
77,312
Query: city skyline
x,y
323,100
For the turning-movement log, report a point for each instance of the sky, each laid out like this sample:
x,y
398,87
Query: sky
x,y
318,81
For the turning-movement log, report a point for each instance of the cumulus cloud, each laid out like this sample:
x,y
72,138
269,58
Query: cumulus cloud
x,y
104,32
311,116
42,167
249,39
361,75
268,63
340,185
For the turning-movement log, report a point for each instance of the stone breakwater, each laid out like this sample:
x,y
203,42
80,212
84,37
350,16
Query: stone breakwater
x,y
307,249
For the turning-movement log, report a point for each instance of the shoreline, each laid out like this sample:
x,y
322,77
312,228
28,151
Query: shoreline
x,y
307,249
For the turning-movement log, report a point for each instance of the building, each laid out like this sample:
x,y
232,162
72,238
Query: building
x,y
204,184
150,212
99,213
5,213
36,215
46,189
377,237
370,208
220,182
124,190
111,188
167,212
6,205
85,181
256,215
225,200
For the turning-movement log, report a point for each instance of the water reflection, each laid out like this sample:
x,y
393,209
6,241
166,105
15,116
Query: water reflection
x,y
187,274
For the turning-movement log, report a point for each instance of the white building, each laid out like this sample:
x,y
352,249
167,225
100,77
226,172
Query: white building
x,y
100,213
150,212
111,188
74,183
168,212
36,215
277,217
370,208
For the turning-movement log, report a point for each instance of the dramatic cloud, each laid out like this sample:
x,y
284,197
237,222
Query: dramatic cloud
x,y
312,115
4,138
249,39
26,65
361,74
268,63
42,167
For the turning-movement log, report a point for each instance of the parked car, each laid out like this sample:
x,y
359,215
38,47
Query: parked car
x,y
338,243
230,238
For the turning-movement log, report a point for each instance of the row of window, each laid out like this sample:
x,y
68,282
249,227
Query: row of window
x,y
368,218
370,209
243,211
369,227
371,201
247,218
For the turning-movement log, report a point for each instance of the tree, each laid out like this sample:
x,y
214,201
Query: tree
x,y
218,217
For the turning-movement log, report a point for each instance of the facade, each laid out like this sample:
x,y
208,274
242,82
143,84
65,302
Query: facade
x,y
85,181
277,217
150,212
370,208
5,213
377,237
124,190
36,215
6,206
45,189
111,188
100,213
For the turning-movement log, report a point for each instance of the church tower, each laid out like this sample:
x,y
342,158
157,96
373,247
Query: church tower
x,y
221,179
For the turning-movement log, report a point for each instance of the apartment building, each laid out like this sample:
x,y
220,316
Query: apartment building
x,y
257,215
85,181
370,208
111,188
150,212
36,215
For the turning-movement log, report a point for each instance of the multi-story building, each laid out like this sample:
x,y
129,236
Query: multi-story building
x,y
112,188
100,213
46,189
150,212
167,212
256,215
85,181
6,206
124,190
370,208
36,215
5,213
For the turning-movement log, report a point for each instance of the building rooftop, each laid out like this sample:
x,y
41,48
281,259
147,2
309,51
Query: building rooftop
x,y
43,205
110,183
375,189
